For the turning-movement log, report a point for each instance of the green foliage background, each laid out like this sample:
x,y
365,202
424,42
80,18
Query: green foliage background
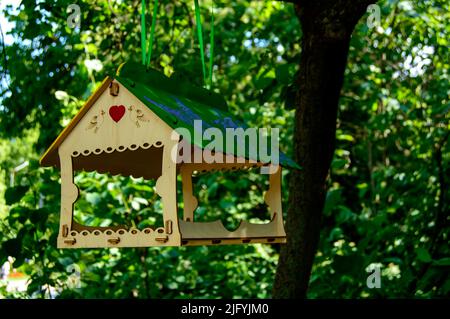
x,y
387,202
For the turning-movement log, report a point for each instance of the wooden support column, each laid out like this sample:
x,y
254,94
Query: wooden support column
x,y
166,187
189,200
273,198
69,195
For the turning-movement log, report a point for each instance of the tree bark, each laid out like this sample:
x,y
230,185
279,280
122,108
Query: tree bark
x,y
327,27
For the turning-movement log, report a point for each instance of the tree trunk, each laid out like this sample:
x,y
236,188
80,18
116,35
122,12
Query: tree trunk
x,y
327,27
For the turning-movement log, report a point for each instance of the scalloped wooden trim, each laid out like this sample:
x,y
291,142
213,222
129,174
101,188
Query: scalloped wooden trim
x,y
119,148
121,237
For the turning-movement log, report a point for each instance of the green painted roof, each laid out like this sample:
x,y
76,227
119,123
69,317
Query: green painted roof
x,y
179,103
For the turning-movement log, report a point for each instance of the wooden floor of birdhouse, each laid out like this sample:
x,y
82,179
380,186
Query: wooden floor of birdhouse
x,y
201,233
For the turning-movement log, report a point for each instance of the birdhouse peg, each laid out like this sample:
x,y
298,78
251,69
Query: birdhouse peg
x,y
114,89
114,241
65,230
70,241
162,239
169,227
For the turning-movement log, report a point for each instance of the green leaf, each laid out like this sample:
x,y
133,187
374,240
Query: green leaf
x,y
345,214
141,200
181,279
423,255
136,206
338,163
38,215
263,82
19,260
14,194
282,74
172,285
93,198
442,262
332,200
345,137
19,213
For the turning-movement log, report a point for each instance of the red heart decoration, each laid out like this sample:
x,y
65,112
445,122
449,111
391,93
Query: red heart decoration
x,y
116,112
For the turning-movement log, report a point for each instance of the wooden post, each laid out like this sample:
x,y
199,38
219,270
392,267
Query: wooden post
x,y
273,198
189,200
69,195
166,187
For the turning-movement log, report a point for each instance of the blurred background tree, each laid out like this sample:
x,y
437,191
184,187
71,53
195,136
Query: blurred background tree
x,y
387,200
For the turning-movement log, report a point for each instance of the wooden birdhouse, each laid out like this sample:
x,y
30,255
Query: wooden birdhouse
x,y
141,123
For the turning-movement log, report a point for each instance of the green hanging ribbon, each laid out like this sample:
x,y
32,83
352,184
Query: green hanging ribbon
x,y
143,32
152,31
211,46
200,38
147,51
